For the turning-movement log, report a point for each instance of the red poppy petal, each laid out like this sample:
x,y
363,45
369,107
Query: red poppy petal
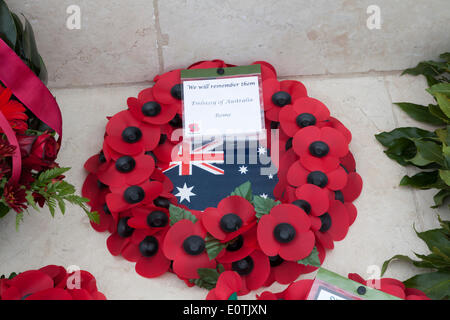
x,y
31,281
164,84
237,205
260,272
175,237
353,188
357,278
300,247
336,124
117,144
335,140
287,272
316,223
265,236
211,221
393,290
51,294
392,282
289,213
303,138
232,256
337,179
105,221
57,273
287,118
116,243
298,290
150,135
151,267
116,203
267,70
348,161
325,164
315,196
228,282
295,88
324,239
131,252
186,266
312,106
352,212
164,151
266,295
339,220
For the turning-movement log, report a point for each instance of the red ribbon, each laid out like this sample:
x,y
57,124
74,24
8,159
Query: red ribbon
x,y
32,92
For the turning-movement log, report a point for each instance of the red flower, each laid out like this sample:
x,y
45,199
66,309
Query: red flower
x,y
253,269
320,148
49,283
334,179
304,112
122,235
42,154
126,197
353,188
298,290
169,90
13,111
185,245
312,199
336,124
334,224
279,94
146,108
233,216
145,248
391,286
150,218
107,220
128,170
127,136
94,190
14,196
285,231
240,247
229,282
96,163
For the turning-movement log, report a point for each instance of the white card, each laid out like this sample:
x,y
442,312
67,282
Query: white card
x,y
224,106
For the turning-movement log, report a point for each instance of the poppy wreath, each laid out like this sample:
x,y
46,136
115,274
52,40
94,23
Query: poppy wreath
x,y
50,283
250,240
299,290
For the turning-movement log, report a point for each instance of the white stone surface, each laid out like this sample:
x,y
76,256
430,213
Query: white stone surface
x,y
116,42
383,227
130,41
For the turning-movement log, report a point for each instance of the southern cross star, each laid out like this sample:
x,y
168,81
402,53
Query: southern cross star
x,y
185,193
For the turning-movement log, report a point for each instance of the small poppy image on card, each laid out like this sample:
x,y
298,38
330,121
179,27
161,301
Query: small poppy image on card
x,y
194,127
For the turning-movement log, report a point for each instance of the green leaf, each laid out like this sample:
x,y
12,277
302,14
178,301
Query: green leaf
x,y
403,151
30,48
445,176
4,209
43,75
429,150
420,113
31,201
234,296
387,139
8,30
437,112
213,246
436,238
396,257
208,278
244,191
177,214
263,205
435,285
422,180
443,102
312,259
19,29
445,56
443,88
48,175
440,197
19,219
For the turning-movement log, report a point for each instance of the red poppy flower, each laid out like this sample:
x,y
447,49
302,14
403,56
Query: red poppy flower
x,y
208,64
240,247
312,199
334,225
107,220
96,163
334,179
88,288
390,286
128,136
122,235
126,197
229,282
280,94
253,269
145,108
185,245
267,70
298,290
285,231
128,170
150,218
348,162
169,90
336,124
13,110
320,148
304,112
145,248
233,216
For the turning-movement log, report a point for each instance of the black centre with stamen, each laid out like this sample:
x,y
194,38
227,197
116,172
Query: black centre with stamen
x,y
134,194
326,222
194,245
149,246
125,164
305,120
157,219
123,229
319,149
303,204
131,134
284,232
151,109
230,222
317,178
177,91
281,98
235,244
244,266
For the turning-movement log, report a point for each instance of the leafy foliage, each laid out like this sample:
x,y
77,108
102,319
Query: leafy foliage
x,y
427,150
208,277
312,259
213,246
21,39
244,190
435,284
177,214
263,205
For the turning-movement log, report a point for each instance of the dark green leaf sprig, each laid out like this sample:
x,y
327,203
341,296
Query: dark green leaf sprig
x,y
427,150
